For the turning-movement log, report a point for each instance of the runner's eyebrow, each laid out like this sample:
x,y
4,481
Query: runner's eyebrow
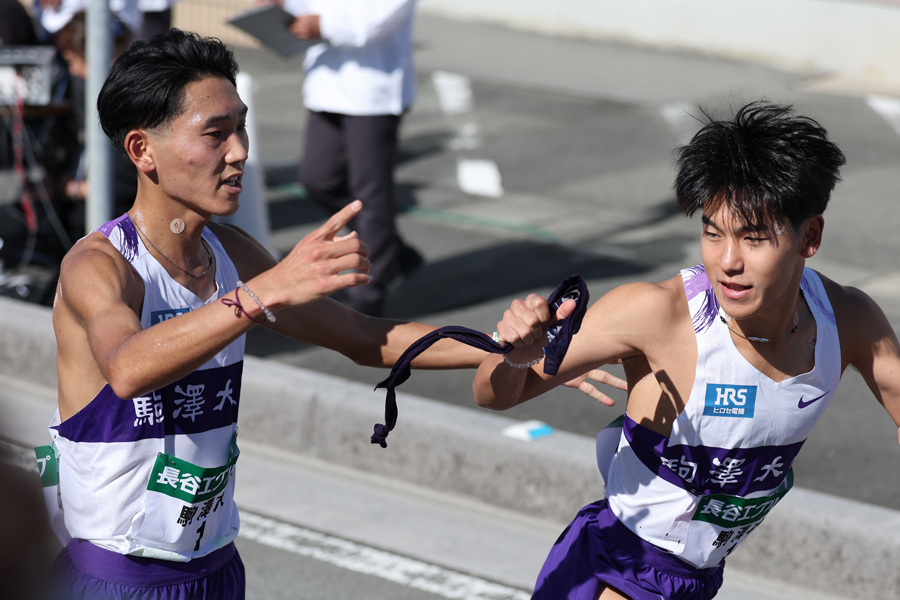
x,y
747,228
218,118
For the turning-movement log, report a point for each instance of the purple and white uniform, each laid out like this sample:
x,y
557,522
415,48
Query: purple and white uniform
x,y
153,477
698,493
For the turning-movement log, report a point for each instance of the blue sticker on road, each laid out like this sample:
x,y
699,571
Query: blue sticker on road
x,y
723,400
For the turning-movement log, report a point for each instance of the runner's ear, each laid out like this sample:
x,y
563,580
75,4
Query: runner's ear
x,y
138,146
811,233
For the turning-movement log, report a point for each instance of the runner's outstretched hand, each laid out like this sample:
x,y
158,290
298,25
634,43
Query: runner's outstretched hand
x,y
322,263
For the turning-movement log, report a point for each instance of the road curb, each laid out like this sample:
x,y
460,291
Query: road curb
x,y
812,540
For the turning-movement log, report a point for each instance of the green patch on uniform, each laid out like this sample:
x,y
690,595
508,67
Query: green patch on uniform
x,y
617,423
186,481
734,511
46,461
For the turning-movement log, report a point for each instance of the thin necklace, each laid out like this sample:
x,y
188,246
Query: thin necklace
x,y
762,339
172,262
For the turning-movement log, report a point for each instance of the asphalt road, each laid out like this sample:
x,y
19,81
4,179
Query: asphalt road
x,y
581,134
317,531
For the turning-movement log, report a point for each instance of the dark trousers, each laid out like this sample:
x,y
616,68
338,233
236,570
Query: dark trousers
x,y
156,23
347,158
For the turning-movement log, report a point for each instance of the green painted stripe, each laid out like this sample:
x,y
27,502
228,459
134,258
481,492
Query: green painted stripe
x,y
298,191
292,189
452,217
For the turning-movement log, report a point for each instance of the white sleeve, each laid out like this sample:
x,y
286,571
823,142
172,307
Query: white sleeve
x,y
358,22
297,7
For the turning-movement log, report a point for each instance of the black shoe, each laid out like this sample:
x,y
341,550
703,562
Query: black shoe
x,y
410,260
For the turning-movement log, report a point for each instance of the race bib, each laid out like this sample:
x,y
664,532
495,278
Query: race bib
x,y
721,522
187,508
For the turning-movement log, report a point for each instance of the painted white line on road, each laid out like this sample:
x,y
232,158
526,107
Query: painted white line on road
x,y
888,108
476,177
466,137
479,178
454,92
363,559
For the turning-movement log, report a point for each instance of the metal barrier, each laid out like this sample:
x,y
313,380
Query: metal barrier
x,y
210,18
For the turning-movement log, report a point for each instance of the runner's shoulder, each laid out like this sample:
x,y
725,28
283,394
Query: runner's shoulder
x,y
659,304
860,321
847,302
249,256
92,265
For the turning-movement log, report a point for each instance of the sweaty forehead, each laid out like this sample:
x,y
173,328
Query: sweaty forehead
x,y
210,100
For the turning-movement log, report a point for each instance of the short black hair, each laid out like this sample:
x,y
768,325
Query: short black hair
x,y
765,164
145,86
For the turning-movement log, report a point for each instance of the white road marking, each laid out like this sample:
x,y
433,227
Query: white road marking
x,y
378,563
888,108
479,177
454,92
466,137
476,177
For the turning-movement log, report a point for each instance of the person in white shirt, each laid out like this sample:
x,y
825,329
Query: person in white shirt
x,y
359,82
55,14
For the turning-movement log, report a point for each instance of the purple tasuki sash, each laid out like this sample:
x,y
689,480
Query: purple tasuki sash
x,y
560,335
697,465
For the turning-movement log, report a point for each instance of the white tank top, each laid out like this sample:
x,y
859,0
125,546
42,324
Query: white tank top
x,y
728,459
154,476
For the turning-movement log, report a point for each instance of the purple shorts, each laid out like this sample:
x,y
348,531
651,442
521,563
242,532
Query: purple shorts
x,y
597,550
83,571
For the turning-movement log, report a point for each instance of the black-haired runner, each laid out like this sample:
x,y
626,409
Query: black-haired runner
x,y
730,364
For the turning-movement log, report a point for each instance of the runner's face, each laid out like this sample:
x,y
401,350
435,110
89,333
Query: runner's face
x,y
752,270
201,153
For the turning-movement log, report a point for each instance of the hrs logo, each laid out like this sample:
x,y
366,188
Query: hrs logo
x,y
736,401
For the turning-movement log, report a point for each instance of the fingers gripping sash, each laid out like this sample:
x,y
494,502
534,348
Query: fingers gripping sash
x,y
560,336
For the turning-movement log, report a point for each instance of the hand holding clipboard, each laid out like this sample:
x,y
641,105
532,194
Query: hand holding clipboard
x,y
271,26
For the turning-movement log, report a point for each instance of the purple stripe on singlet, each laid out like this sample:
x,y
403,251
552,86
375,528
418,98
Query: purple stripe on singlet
x,y
144,572
129,249
107,228
202,401
817,299
704,470
697,283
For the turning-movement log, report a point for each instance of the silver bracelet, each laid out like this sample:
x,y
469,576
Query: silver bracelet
x,y
262,306
524,366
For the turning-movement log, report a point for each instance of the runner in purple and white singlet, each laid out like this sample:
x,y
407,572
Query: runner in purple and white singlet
x,y
730,365
150,316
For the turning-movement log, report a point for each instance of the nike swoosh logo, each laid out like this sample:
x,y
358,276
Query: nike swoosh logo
x,y
803,404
